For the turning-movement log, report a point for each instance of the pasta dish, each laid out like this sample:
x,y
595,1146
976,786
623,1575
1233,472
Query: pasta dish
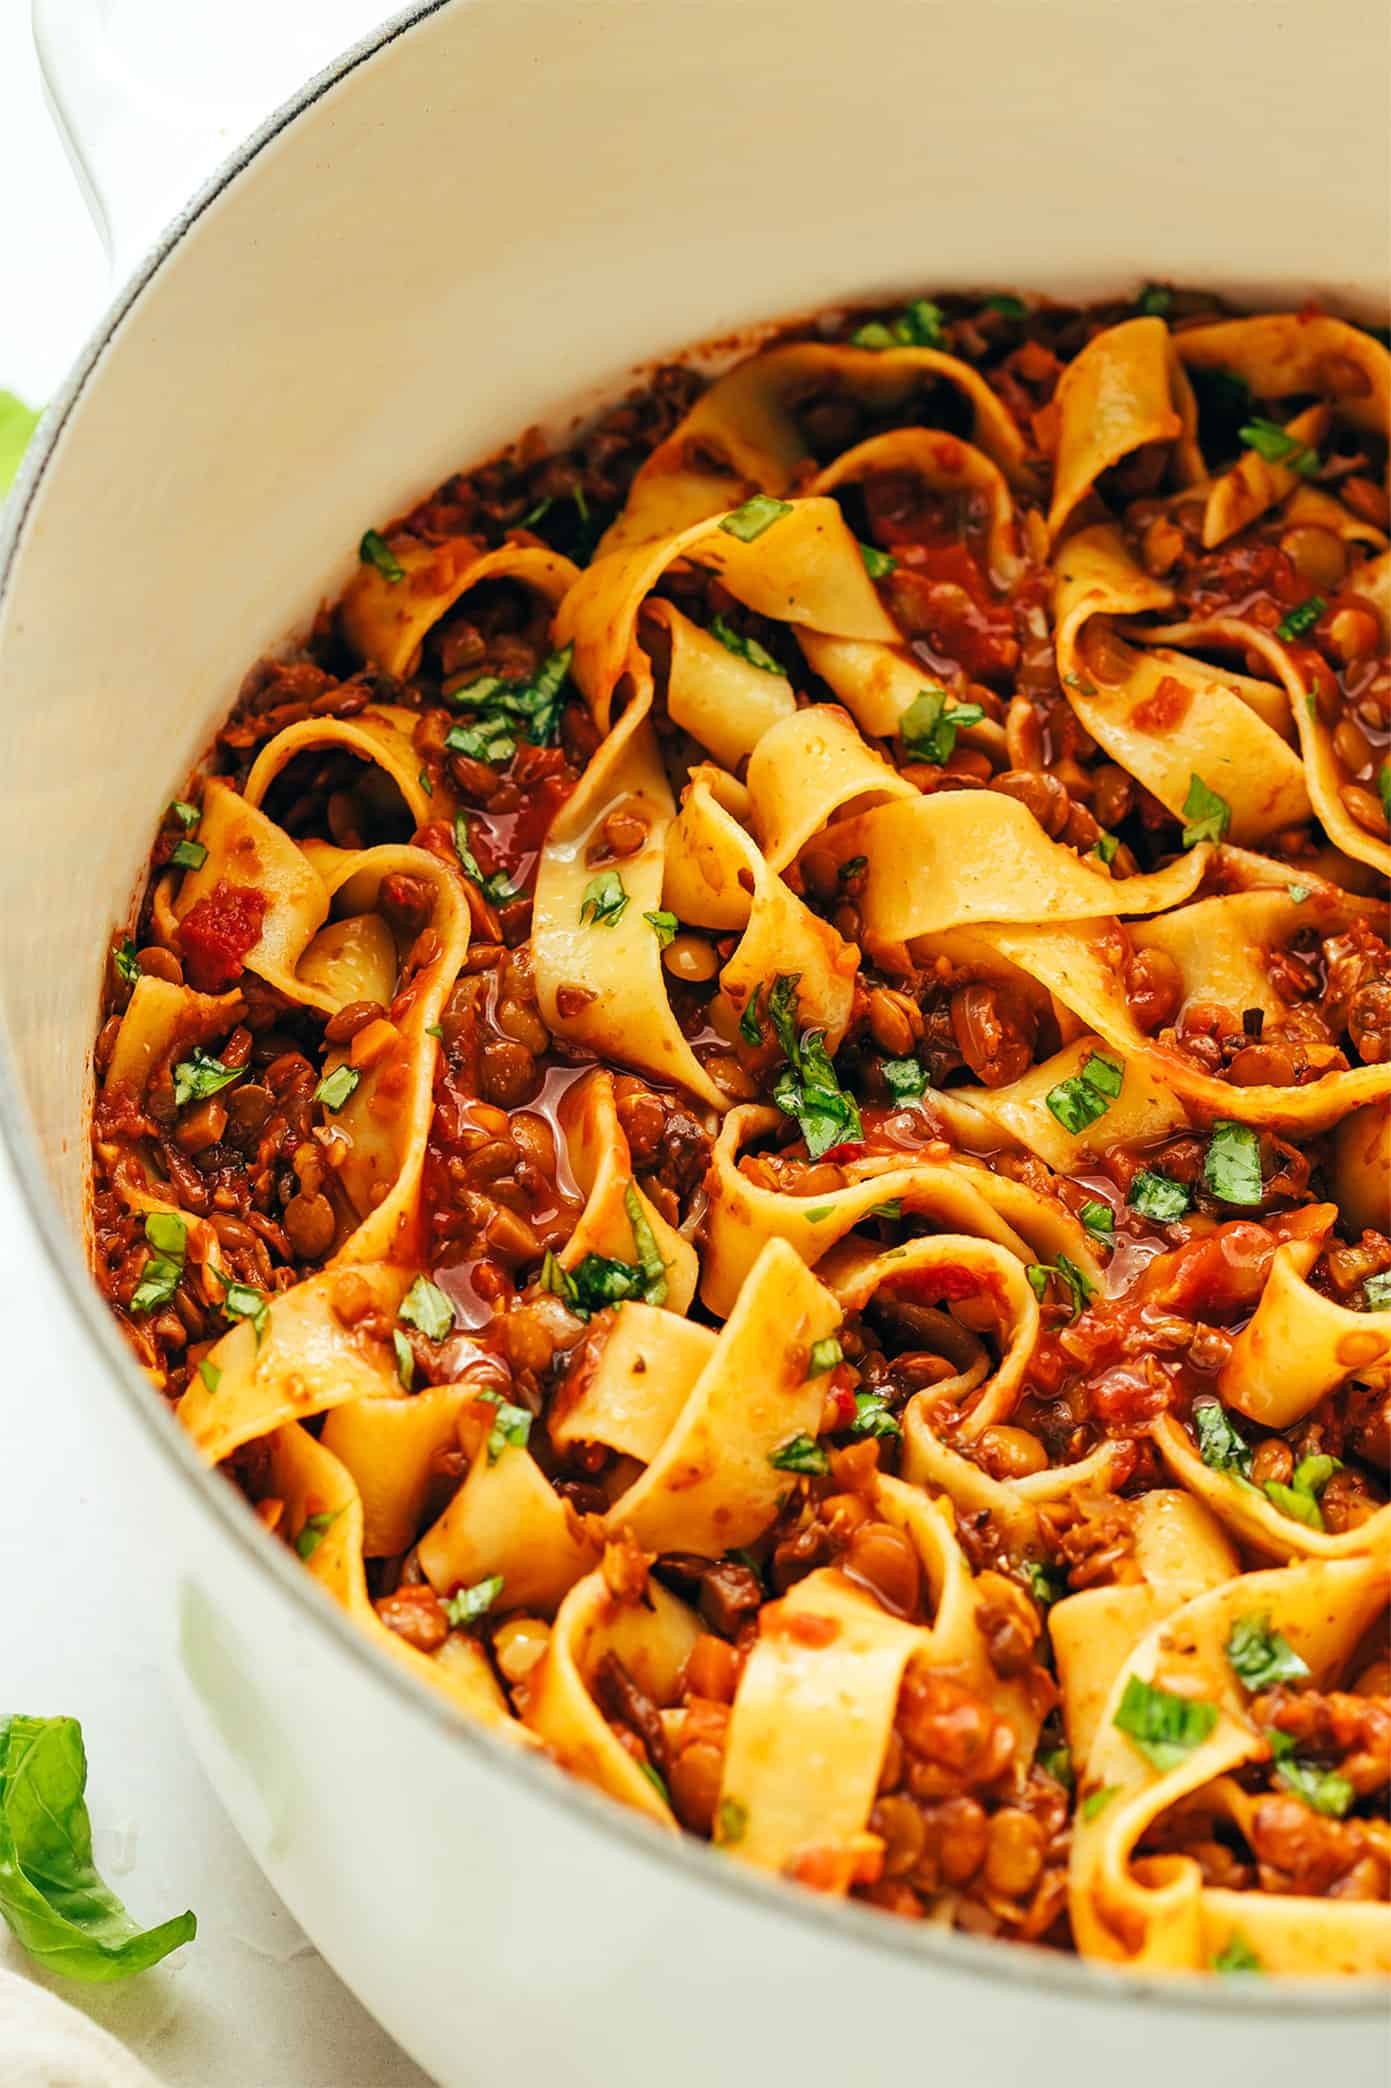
x,y
751,1104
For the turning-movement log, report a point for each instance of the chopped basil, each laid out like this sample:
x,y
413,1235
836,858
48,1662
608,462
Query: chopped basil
x,y
851,867
1088,1094
891,1210
748,522
1236,1955
751,1022
1097,1801
1323,1790
188,855
904,1078
1384,787
824,1355
1376,1293
658,1782
1155,301
313,1531
801,1454
653,1268
425,1306
424,781
808,1088
1007,307
1219,1445
242,1301
1070,1279
126,963
1105,846
336,1087
1057,1763
663,926
919,326
511,1428
1208,816
210,1374
878,564
604,900
1232,1169
743,648
731,1821
200,1075
1164,1727
928,729
873,1418
433,1029
531,706
1300,1499
1047,1584
489,740
1259,1656
1276,444
374,550
1297,621
1299,892
1157,1196
1098,1218
496,887
467,1605
163,1266
187,815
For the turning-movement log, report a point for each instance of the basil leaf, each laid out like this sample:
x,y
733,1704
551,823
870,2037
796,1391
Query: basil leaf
x,y
1105,846
1300,1499
210,1374
1155,301
335,1087
748,522
242,1301
599,1281
873,1418
1297,621
919,326
904,1078
61,1911
374,550
1299,892
750,1022
200,1075
557,1280
425,1306
731,1821
604,900
1208,816
1157,1196
1259,1656
664,927
1047,1584
928,729
1007,307
467,1605
1088,1094
188,855
823,1356
1384,787
1232,1168
1376,1293
532,706
159,1279
1164,1727
1098,1218
187,815
1069,1278
808,1088
510,1430
743,648
496,887
1322,1790
1269,440
314,1530
1236,1955
126,963
878,564
654,1269
801,1454
1097,1801
1219,1445
489,740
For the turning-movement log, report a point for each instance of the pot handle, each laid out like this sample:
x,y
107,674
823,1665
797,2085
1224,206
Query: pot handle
x,y
147,110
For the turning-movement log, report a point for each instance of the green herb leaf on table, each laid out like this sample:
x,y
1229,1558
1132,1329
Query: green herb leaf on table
x,y
60,1910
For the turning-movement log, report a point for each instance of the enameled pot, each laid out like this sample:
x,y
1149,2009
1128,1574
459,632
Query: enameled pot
x,y
482,217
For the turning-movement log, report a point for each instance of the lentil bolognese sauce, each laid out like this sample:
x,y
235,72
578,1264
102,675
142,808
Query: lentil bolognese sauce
x,y
751,1106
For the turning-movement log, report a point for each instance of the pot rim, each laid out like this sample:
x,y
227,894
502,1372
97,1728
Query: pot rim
x,y
981,1959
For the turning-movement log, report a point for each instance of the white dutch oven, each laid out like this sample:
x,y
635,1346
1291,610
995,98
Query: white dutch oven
x,y
485,213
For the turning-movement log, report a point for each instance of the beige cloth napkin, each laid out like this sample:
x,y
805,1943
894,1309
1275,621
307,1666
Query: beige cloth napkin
x,y
46,2044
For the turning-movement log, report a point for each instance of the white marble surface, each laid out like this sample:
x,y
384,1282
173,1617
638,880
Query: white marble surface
x,y
250,2004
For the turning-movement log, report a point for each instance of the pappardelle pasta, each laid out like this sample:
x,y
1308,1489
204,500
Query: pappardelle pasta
x,y
752,1105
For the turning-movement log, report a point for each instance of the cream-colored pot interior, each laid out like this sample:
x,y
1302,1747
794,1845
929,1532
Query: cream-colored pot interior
x,y
482,222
